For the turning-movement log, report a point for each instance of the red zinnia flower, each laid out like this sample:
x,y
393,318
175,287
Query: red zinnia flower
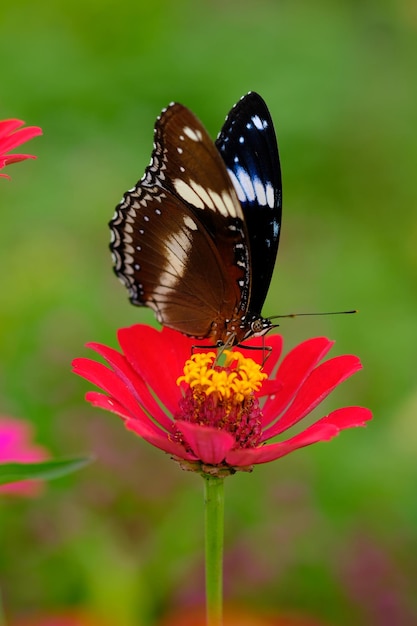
x,y
10,138
219,419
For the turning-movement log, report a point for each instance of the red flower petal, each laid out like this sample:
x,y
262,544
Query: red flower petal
x,y
8,126
323,430
10,137
270,387
160,441
322,380
293,371
158,357
138,387
101,401
208,444
145,428
347,417
122,392
8,159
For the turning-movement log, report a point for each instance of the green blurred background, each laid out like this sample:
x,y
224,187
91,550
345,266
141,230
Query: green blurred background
x,y
329,531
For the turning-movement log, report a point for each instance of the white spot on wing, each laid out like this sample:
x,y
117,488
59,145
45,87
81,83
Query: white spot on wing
x,y
259,192
186,192
246,183
238,187
177,248
270,195
194,135
248,189
203,194
190,223
229,204
258,123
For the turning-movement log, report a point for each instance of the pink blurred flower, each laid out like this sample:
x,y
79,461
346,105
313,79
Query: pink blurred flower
x,y
223,421
11,137
16,446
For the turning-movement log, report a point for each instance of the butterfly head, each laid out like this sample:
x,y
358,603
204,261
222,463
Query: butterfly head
x,y
256,326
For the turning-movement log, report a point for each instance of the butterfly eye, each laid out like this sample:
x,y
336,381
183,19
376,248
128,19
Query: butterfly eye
x,y
259,326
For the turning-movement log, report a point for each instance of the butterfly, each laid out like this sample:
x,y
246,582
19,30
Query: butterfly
x,y
197,238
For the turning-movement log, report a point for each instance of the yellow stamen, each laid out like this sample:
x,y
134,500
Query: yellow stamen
x,y
238,380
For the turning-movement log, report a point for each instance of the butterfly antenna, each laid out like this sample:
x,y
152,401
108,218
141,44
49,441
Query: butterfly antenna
x,y
274,317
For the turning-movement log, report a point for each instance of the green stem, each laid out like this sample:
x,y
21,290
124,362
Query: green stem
x,y
214,523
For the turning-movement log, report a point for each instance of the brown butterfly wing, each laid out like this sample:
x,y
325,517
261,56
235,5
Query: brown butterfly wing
x,y
179,242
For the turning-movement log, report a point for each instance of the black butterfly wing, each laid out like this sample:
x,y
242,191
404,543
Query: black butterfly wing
x,y
248,146
179,242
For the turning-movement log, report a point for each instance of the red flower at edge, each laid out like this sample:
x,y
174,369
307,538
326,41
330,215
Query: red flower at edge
x,y
16,446
11,137
203,429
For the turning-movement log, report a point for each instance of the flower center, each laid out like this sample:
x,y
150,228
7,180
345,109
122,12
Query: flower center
x,y
223,397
